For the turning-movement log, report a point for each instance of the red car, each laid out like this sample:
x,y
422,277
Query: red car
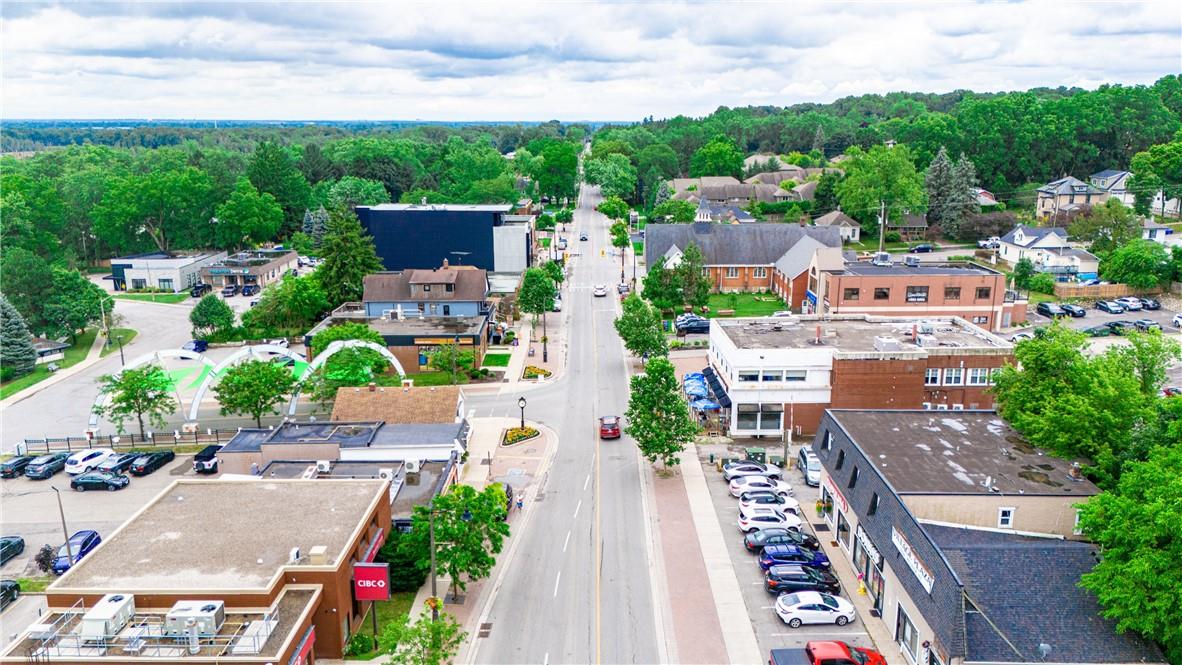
x,y
609,427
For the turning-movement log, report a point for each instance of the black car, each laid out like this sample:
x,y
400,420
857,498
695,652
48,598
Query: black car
x,y
10,548
1121,327
10,590
149,462
1150,303
1074,310
119,463
1050,309
1110,306
196,345
1097,331
14,466
99,480
582,236
199,290
921,249
692,324
790,578
755,540
45,466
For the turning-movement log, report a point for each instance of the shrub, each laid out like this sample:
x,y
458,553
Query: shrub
x,y
44,558
1042,283
519,434
893,236
359,644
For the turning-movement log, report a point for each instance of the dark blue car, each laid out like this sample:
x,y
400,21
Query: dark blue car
x,y
774,555
81,544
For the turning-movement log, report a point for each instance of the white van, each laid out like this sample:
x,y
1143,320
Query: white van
x,y
809,465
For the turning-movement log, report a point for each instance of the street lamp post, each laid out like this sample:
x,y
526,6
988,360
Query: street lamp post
x,y
521,405
119,340
65,532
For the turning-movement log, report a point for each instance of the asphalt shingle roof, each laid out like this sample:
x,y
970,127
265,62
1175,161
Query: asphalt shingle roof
x,y
733,244
1032,234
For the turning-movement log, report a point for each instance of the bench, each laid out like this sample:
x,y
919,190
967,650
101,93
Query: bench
x,y
726,312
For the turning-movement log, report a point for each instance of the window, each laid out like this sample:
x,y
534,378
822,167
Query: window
x,y
426,287
827,444
705,272
882,294
748,417
447,310
770,416
1077,531
927,406
840,460
931,377
953,376
748,375
165,284
906,635
851,294
979,376
983,292
795,375
917,294
759,272
951,293
732,273
958,407
843,531
853,478
1005,518
873,504
984,320
449,287
773,376
139,283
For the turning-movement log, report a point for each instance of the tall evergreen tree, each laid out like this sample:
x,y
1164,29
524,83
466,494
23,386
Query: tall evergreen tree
x,y
819,140
962,201
695,286
349,255
939,183
315,224
17,355
272,170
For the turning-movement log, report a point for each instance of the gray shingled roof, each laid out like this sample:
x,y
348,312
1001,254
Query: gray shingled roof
x,y
731,244
1068,185
470,284
1033,234
835,218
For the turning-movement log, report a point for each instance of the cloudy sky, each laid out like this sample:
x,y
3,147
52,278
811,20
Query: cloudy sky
x,y
573,61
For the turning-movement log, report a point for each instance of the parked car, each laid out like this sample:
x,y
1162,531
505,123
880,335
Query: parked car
x,y
206,461
280,342
1176,321
283,361
992,242
1091,282
792,577
810,466
1049,309
826,653
759,517
81,544
774,555
229,290
99,480
770,499
10,590
302,261
1021,336
557,304
251,289
1121,327
1171,391
1074,310
757,540
1098,331
149,462
1145,325
583,236
14,466
796,609
599,291
609,427
200,290
750,468
1110,306
1150,303
46,466
754,483
923,248
781,314
1130,303
254,302
196,345
10,548
694,326
118,464
85,460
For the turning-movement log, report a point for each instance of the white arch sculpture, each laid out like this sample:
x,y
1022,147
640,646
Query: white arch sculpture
x,y
247,352
340,345
145,359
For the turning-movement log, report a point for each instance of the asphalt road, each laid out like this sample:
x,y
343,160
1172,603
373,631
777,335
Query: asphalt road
x,y
579,589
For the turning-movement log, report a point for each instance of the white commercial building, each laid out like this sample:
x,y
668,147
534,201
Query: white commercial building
x,y
161,270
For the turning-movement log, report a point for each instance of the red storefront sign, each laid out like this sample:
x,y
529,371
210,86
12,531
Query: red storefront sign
x,y
371,581
837,495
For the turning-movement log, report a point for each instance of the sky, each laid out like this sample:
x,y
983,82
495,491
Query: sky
x,y
569,61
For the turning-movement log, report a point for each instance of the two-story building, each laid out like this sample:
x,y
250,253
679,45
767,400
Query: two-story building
x,y
1067,195
444,291
424,235
1115,183
1047,248
848,227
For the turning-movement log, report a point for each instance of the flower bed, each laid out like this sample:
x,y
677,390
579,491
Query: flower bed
x,y
517,435
532,372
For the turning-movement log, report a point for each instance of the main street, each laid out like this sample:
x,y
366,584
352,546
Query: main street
x,y
580,587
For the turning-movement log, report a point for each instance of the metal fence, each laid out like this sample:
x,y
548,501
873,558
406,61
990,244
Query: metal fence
x,y
126,441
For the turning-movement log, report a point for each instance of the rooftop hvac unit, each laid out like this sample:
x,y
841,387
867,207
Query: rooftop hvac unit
x,y
294,555
883,343
911,261
926,328
413,466
881,259
209,616
108,616
926,341
386,473
323,466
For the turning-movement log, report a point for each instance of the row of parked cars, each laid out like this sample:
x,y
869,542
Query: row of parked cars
x,y
92,469
80,544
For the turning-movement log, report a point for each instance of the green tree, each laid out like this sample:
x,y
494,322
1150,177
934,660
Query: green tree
x,y
28,284
349,255
939,183
158,209
294,303
1023,272
825,196
555,272
1158,169
639,326
17,355
1106,227
346,331
74,304
1149,355
452,361
621,239
675,211
695,285
347,368
352,191
211,315
401,553
658,418
662,288
254,388
660,157
423,642
564,216
614,207
717,158
247,217
1140,264
559,169
1136,526
962,203
537,293
470,529
614,174
140,392
273,170
880,175
316,225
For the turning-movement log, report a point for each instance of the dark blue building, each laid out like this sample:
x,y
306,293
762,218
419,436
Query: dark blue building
x,y
425,236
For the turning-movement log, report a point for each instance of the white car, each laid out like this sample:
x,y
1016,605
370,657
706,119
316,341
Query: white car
x,y
1130,303
784,504
1177,321
757,483
85,460
557,305
796,609
754,518
749,468
600,290
278,341
782,314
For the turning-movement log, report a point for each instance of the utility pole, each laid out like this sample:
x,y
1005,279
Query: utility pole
x,y
65,532
881,225
434,589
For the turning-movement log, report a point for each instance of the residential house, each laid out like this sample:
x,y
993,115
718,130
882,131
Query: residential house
x,y
848,227
792,172
1067,195
1047,248
985,198
738,257
1169,208
1151,230
1116,183
49,350
725,190
909,226
805,191
444,291
721,213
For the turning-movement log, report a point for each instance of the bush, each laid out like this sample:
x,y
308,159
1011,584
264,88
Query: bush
x,y
1042,283
893,236
405,556
251,334
44,558
359,644
519,434
532,372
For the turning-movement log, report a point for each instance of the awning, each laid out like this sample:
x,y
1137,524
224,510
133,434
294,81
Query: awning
x,y
703,404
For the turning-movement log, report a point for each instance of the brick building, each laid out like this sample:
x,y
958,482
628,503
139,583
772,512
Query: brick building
x,y
782,373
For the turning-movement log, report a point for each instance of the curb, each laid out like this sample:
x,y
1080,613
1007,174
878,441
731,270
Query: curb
x,y
94,355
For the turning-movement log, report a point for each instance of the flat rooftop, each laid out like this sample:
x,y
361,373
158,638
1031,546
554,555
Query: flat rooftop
x,y
200,535
455,207
856,333
430,325
956,452
939,269
409,491
254,257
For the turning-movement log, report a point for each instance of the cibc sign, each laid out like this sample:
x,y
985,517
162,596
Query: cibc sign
x,y
371,581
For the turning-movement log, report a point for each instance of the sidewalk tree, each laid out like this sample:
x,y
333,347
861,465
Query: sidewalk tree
x,y
211,315
422,642
640,327
139,392
564,216
470,530
17,355
555,272
537,294
658,418
613,207
254,388
614,174
695,285
349,255
620,240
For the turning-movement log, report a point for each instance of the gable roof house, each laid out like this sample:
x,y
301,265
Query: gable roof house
x,y
1047,248
910,226
848,227
1116,183
1067,195
1151,230
790,172
721,213
443,291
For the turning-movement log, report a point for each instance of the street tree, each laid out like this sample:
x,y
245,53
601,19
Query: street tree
x,y
537,293
255,388
140,392
621,239
719,157
17,355
614,207
555,272
1140,264
470,530
880,175
658,418
294,303
695,286
210,315
564,216
1106,227
451,360
247,217
639,326
422,642
675,211
614,174
662,288
349,255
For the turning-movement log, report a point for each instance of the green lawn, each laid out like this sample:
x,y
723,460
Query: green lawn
x,y
388,612
126,334
74,355
170,298
497,359
434,378
746,304
34,584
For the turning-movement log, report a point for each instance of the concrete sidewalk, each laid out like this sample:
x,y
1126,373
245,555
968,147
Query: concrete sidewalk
x,y
92,356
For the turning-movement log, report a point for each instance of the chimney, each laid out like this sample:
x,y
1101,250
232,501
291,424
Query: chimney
x,y
914,330
1075,473
373,386
445,264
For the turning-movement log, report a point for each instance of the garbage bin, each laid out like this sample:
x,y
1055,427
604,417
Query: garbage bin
x,y
757,454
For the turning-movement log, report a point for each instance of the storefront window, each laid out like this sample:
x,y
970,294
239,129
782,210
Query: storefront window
x,y
906,636
166,284
748,417
843,531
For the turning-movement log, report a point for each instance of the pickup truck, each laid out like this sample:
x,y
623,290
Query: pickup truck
x,y
826,653
989,243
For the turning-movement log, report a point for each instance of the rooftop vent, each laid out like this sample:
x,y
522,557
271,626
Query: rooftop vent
x,y
883,343
881,259
1075,473
911,261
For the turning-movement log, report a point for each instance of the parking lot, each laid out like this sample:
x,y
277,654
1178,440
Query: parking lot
x,y
770,631
1095,317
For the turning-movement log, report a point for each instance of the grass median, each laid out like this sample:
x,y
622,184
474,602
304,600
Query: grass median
x,y
74,355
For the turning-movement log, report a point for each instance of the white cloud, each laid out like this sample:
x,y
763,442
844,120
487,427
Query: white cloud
x,y
534,61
